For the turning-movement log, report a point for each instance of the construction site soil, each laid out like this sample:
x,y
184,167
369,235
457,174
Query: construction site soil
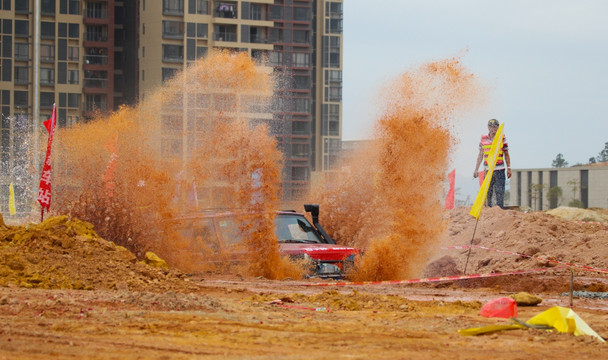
x,y
66,293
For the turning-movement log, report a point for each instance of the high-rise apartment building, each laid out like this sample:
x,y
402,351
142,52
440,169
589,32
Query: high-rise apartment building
x,y
91,56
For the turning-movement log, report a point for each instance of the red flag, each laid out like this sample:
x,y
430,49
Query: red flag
x,y
481,176
449,200
44,192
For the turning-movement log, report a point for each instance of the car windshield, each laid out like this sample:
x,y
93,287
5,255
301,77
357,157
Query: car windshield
x,y
290,228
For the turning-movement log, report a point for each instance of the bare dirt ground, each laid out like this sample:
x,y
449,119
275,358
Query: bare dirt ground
x,y
64,293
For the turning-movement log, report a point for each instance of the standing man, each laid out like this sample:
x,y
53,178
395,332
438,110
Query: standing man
x,y
497,185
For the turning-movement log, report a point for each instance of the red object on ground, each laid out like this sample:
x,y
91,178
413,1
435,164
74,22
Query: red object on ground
x,y
503,307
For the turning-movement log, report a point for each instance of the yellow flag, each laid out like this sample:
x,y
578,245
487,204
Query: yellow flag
x,y
492,157
11,200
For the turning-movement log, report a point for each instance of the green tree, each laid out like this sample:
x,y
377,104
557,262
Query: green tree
x,y
559,161
554,195
592,160
603,156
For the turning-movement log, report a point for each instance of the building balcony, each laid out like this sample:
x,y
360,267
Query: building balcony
x,y
96,83
226,10
95,13
173,59
259,39
94,36
96,59
225,36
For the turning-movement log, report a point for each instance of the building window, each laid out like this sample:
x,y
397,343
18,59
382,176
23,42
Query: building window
x,y
301,105
301,82
256,12
299,173
47,76
47,53
201,52
173,29
22,28
331,51
47,99
173,7
73,53
333,93
96,10
301,60
198,7
20,98
301,36
302,14
96,33
73,100
225,33
47,30
73,76
169,73
74,30
299,150
22,51
21,74
333,26
22,6
202,31
95,102
173,53
74,7
275,58
47,7
276,12
333,77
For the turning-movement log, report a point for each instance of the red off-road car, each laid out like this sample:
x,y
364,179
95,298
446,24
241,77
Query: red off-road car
x,y
297,237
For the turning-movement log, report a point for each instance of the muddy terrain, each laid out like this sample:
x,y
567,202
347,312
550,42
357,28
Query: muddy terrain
x,y
66,293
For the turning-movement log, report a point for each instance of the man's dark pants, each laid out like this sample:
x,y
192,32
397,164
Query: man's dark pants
x,y
497,187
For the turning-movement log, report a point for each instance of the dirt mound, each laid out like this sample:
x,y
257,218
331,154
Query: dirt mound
x,y
522,241
61,253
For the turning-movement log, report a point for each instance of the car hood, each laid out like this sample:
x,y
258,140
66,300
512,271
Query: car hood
x,y
324,252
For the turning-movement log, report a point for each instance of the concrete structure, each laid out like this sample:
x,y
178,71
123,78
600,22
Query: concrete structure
x,y
539,189
95,55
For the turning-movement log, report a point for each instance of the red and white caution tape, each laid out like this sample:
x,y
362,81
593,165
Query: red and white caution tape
x,y
592,222
583,267
429,280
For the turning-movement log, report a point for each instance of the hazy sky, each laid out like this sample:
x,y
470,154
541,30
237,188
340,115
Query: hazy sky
x,y
545,64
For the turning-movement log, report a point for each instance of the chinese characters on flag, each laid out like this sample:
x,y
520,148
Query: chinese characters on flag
x,y
44,192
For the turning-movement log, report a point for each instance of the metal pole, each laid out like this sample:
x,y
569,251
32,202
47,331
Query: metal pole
x,y
470,246
36,90
571,286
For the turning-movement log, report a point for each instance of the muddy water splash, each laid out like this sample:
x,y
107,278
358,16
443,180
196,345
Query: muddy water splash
x,y
189,146
387,201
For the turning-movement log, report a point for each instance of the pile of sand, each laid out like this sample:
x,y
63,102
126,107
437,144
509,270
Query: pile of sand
x,y
61,253
570,213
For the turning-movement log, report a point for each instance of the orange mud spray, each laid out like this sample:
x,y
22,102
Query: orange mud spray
x,y
387,201
185,148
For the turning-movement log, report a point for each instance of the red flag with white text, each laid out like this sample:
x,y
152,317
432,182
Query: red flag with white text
x,y
44,192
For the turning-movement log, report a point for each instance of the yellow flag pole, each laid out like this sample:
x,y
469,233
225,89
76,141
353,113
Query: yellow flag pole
x,y
483,191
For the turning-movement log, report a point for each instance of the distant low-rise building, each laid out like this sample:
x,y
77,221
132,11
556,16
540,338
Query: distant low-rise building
x,y
547,188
